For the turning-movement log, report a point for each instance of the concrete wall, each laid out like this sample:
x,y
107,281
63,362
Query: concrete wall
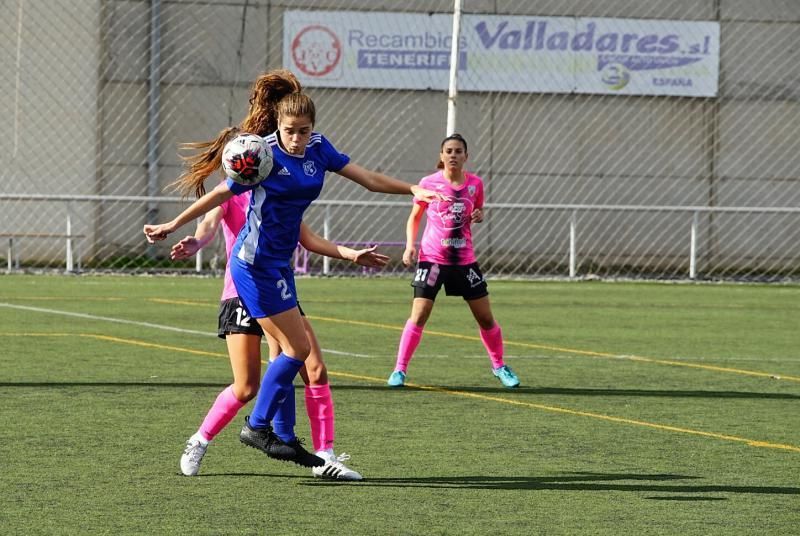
x,y
82,77
48,115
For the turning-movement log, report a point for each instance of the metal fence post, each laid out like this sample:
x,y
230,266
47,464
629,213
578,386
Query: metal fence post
x,y
69,264
326,229
693,246
572,245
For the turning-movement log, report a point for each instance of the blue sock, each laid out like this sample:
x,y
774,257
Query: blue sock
x,y
285,418
275,385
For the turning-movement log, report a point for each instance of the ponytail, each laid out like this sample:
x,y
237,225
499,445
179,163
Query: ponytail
x,y
267,91
199,166
262,119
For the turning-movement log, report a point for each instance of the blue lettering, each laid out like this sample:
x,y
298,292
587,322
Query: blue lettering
x,y
529,31
669,44
558,41
607,42
647,44
511,40
489,40
534,35
584,40
626,41
672,82
408,59
540,35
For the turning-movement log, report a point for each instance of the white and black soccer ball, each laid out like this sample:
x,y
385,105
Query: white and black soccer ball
x,y
247,159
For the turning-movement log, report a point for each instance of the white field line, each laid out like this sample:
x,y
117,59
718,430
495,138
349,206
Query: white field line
x,y
150,325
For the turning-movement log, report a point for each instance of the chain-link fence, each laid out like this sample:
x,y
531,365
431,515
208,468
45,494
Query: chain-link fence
x,y
648,138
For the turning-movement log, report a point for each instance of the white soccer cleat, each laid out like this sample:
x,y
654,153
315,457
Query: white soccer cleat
x,y
192,456
334,468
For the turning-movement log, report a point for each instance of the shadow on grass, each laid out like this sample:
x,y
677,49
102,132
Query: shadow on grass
x,y
244,475
558,391
686,499
660,483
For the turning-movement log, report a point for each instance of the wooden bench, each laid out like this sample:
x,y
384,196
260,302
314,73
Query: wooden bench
x,y
13,257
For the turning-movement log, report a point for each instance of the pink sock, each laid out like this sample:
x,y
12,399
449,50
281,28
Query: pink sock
x,y
409,341
493,341
319,404
225,408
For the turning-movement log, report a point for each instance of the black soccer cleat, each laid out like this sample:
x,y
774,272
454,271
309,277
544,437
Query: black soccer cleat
x,y
265,440
302,456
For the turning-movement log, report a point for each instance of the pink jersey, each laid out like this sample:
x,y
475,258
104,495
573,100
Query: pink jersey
x,y
447,238
234,212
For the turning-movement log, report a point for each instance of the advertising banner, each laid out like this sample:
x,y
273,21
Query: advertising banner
x,y
526,54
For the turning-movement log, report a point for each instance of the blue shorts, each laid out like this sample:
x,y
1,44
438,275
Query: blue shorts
x,y
264,291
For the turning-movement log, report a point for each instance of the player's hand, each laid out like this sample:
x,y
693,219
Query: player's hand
x,y
370,258
185,248
428,195
410,256
477,216
156,233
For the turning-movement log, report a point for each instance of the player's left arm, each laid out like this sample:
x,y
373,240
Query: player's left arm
x,y
378,182
365,257
477,213
206,230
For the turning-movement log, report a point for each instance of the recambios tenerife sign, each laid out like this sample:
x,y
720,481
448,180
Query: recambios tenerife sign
x,y
503,53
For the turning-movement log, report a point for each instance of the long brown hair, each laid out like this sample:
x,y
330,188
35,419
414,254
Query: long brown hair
x,y
273,94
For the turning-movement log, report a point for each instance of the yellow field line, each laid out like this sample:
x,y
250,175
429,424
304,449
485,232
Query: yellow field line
x,y
184,302
574,351
154,345
452,392
560,349
119,340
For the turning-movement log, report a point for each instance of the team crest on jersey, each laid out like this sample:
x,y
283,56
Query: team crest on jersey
x,y
471,190
309,168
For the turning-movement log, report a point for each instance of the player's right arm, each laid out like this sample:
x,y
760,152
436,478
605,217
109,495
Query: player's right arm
x,y
364,257
412,228
206,230
211,200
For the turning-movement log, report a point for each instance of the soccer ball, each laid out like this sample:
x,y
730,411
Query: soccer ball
x,y
247,159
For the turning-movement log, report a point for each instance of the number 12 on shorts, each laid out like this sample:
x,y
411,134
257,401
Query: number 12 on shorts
x,y
242,318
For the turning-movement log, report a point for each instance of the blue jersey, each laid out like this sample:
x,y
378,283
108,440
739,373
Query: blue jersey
x,y
272,230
